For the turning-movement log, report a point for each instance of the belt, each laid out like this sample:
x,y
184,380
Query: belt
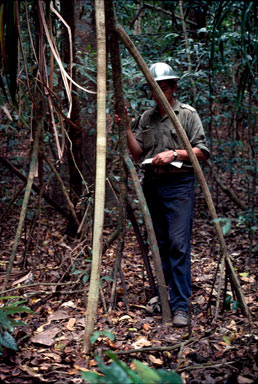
x,y
156,170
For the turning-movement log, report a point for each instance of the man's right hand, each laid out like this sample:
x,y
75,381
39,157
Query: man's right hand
x,y
117,119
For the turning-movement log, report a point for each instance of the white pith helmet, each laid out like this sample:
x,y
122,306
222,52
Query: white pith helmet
x,y
163,71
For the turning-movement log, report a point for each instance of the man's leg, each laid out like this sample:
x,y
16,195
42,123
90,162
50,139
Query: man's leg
x,y
158,216
177,195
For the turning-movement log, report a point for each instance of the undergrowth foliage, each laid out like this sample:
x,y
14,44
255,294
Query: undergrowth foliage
x,y
8,323
118,372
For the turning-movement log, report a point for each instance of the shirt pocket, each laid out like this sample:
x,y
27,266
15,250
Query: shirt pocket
x,y
148,138
173,138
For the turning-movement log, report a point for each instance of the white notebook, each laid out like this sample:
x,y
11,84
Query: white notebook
x,y
177,164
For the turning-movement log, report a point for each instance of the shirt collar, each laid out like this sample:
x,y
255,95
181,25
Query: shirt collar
x,y
176,109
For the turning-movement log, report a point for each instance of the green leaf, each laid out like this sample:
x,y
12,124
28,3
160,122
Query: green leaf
x,y
244,274
8,341
77,272
85,278
130,373
226,224
92,377
9,297
4,321
11,310
147,375
107,278
235,305
114,373
95,337
227,340
227,302
97,334
109,335
226,227
16,303
169,377
17,323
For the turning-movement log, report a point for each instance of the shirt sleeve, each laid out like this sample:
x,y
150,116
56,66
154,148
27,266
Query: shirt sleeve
x,y
138,133
196,134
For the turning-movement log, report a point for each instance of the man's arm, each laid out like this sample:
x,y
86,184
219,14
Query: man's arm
x,y
133,145
167,157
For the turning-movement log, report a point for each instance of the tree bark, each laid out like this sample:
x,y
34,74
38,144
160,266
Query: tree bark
x,y
75,132
117,78
119,108
92,305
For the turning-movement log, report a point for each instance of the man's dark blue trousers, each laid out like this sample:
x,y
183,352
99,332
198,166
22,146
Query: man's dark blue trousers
x,y
170,198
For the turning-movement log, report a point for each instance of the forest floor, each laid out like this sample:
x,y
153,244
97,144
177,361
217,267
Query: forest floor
x,y
50,345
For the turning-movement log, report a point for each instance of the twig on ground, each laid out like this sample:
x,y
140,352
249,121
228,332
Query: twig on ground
x,y
179,357
39,283
157,348
206,365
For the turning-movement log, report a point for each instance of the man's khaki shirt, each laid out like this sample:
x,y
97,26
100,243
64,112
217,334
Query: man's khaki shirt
x,y
156,134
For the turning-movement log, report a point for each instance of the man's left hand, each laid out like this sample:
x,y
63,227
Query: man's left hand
x,y
163,158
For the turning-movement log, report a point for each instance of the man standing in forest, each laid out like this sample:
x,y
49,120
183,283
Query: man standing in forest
x,y
168,184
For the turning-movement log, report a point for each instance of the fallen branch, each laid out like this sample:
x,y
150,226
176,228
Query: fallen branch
x,y
34,187
228,191
157,348
205,365
36,284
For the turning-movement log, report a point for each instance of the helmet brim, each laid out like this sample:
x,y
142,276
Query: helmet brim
x,y
161,78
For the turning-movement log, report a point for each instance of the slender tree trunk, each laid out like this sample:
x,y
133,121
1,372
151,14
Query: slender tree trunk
x,y
117,78
194,90
92,306
119,108
75,132
33,166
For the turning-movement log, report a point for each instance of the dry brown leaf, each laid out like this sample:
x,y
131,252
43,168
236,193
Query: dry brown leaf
x,y
28,277
70,324
47,337
41,328
244,380
92,363
32,372
69,304
53,356
146,326
58,315
154,360
249,279
141,342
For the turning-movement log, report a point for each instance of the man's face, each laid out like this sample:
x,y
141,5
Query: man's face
x,y
167,89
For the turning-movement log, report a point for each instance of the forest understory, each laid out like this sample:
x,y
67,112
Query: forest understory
x,y
49,274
